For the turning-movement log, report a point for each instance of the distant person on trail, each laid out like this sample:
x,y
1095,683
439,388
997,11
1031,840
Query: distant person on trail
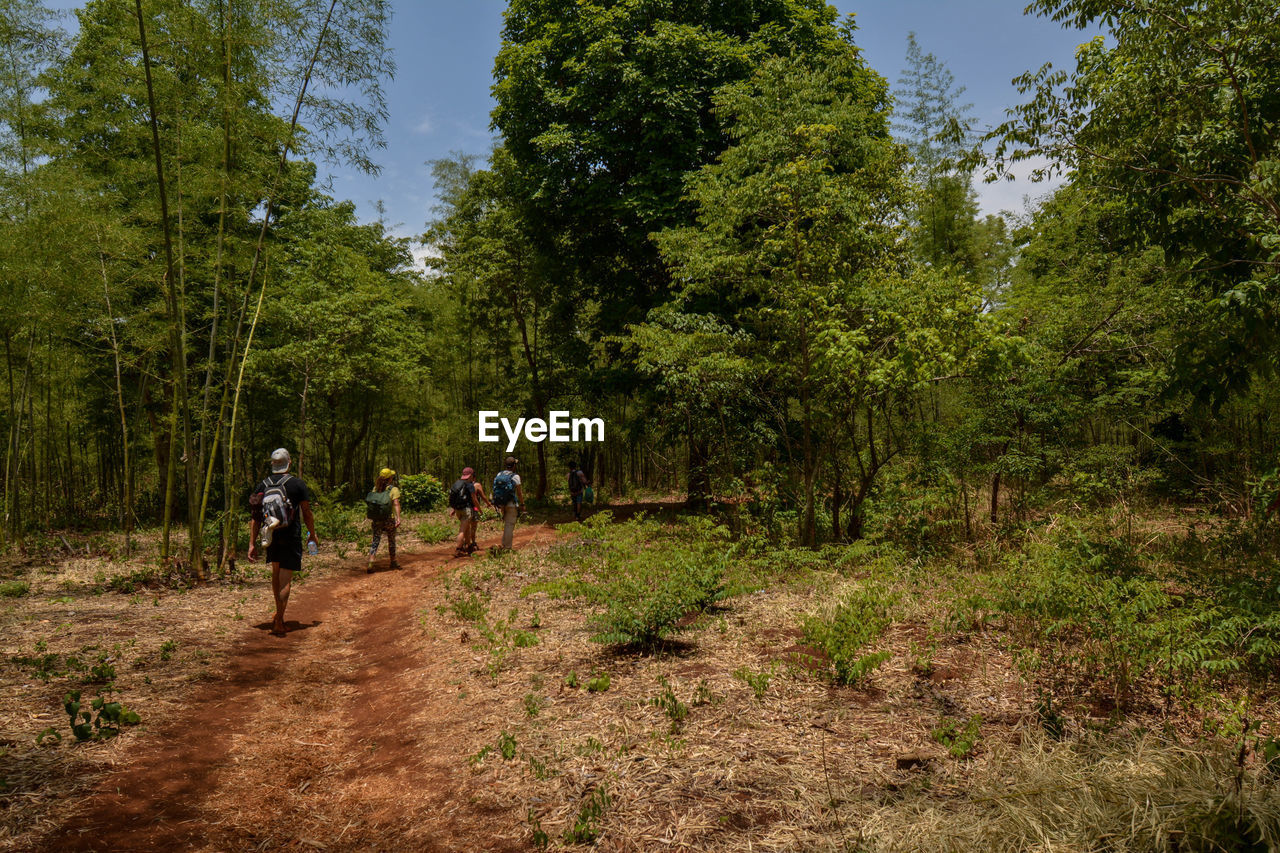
x,y
509,495
577,487
277,508
382,508
466,508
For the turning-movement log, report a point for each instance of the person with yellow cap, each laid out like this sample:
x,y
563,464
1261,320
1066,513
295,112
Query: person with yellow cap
x,y
382,508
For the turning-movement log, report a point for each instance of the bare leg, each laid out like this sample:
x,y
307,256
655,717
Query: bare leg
x,y
281,581
373,550
463,524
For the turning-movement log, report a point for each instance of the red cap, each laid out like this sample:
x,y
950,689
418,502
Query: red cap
x,y
468,472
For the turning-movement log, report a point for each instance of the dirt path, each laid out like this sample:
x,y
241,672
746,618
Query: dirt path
x,y
343,735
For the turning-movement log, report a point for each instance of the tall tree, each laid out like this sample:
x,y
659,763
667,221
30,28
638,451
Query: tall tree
x,y
795,227
933,123
604,106
1174,114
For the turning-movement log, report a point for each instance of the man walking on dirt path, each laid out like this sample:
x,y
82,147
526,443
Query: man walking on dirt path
x,y
509,495
466,508
286,503
383,510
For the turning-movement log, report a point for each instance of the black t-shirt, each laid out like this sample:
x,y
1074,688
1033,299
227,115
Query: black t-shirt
x,y
297,492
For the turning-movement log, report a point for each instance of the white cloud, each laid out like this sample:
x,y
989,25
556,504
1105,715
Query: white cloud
x,y
1018,195
421,253
424,126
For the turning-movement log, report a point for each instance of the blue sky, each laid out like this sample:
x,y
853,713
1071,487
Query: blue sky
x,y
440,101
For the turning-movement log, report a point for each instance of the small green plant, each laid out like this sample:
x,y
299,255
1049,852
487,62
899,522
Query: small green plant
x,y
507,746
102,672
479,757
598,683
14,589
472,607
106,723
533,704
524,639
571,680
1053,723
538,836
43,666
757,681
857,620
703,695
167,649
958,738
922,657
677,712
540,769
586,828
592,746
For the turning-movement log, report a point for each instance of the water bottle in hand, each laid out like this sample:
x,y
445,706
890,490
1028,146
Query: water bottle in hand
x,y
312,547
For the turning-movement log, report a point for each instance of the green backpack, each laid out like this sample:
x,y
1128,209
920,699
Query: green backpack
x,y
378,505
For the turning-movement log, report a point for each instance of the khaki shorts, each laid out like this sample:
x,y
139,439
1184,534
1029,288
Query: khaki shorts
x,y
464,515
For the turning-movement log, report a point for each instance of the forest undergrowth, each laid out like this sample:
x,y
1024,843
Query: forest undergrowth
x,y
1083,681
1101,681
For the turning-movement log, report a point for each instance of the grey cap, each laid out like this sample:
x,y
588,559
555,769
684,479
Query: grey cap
x,y
280,460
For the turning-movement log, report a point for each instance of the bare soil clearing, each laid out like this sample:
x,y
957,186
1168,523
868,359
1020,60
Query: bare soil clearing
x,y
338,736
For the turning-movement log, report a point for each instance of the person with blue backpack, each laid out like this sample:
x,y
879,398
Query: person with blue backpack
x,y
508,497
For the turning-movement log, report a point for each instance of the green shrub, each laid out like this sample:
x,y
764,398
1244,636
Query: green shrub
x,y
421,493
857,620
435,532
507,746
646,602
335,522
14,589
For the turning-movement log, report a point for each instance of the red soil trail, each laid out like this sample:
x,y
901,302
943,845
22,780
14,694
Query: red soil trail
x,y
343,735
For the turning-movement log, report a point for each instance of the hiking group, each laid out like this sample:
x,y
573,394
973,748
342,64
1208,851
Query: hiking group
x,y
466,494
282,502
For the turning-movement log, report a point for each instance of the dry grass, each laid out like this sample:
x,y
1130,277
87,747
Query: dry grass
x,y
1118,794
811,766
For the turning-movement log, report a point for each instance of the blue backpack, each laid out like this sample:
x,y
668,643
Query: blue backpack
x,y
504,488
